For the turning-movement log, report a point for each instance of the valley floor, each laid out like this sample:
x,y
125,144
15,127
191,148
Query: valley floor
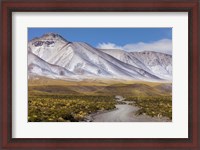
x,y
99,101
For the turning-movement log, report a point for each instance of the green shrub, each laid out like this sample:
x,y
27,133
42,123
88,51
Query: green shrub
x,y
64,108
153,105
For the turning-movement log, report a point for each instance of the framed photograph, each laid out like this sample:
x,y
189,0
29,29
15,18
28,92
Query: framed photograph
x,y
100,74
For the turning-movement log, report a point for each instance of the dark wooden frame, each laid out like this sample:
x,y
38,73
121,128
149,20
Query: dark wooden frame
x,y
9,6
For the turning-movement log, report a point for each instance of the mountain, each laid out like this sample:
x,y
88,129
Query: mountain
x,y
37,66
53,56
159,63
126,57
156,63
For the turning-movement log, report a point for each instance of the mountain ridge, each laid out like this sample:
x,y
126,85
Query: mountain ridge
x,y
82,60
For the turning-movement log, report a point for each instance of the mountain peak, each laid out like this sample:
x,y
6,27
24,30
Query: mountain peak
x,y
52,36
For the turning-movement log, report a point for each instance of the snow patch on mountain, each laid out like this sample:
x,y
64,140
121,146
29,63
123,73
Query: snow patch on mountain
x,y
40,67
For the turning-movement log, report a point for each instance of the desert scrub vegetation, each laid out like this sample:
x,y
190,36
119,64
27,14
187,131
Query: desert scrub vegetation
x,y
154,106
65,108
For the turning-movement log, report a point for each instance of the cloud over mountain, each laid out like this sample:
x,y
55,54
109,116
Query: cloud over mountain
x,y
163,46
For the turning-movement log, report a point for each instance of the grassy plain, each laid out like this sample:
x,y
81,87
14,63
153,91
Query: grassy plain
x,y
68,101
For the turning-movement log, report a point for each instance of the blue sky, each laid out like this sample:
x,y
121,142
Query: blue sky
x,y
123,38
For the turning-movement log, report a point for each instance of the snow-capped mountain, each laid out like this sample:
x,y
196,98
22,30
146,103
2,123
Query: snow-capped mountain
x,y
159,63
37,66
53,56
156,63
125,57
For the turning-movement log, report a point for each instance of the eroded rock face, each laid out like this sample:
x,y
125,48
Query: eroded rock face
x,y
40,43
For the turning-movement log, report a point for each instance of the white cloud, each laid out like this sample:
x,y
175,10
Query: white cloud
x,y
108,46
164,46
